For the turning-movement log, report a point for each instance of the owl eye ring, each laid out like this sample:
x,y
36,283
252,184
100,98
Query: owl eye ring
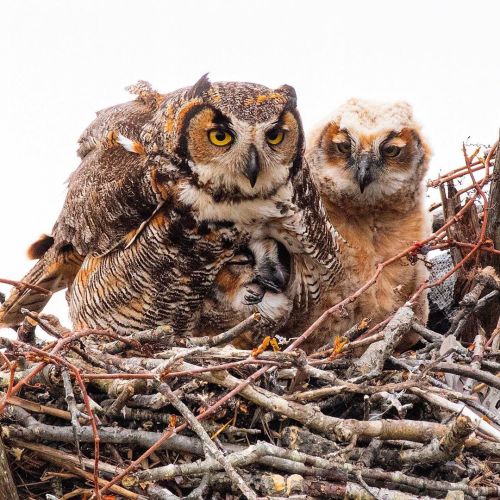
x,y
343,147
275,136
391,151
220,137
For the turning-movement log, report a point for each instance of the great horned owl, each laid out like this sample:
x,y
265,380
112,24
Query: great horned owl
x,y
369,162
207,169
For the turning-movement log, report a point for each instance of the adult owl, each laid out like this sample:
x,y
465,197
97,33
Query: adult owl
x,y
369,161
170,193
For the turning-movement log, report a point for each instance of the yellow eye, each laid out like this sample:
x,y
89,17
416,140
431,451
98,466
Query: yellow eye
x,y
220,137
275,136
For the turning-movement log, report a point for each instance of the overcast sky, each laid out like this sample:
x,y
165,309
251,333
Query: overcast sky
x,y
63,60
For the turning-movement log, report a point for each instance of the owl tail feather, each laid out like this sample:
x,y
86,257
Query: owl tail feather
x,y
53,272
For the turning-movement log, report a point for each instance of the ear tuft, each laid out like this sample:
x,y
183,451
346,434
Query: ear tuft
x,y
37,249
290,93
146,93
200,87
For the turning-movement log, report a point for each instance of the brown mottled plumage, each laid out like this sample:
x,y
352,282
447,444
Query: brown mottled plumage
x,y
369,162
160,204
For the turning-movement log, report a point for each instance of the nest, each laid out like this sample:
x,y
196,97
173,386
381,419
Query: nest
x,y
92,414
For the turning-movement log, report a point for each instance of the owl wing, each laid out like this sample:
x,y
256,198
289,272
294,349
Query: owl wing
x,y
313,242
316,260
136,288
318,237
113,191
110,195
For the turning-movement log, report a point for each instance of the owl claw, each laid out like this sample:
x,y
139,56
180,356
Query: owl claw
x,y
253,297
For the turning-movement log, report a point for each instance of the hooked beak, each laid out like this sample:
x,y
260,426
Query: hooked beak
x,y
252,167
273,279
363,172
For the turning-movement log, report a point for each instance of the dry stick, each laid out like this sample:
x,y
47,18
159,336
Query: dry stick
x,y
229,352
117,406
322,392
477,356
458,408
467,371
69,462
460,192
426,333
374,358
8,490
12,374
26,285
470,300
252,454
486,246
468,400
228,336
450,177
493,227
158,335
163,332
460,170
424,484
58,331
38,408
200,491
71,402
205,438
441,451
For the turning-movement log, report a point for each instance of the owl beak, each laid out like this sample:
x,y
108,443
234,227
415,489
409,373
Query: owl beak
x,y
364,174
252,167
272,278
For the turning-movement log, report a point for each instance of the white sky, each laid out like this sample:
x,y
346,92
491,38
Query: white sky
x,y
63,60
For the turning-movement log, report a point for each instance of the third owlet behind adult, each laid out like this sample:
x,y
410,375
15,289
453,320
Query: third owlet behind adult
x,y
369,161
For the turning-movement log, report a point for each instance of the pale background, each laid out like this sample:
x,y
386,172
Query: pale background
x,y
63,60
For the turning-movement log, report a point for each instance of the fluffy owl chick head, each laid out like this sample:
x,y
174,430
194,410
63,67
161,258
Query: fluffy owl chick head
x,y
368,153
234,141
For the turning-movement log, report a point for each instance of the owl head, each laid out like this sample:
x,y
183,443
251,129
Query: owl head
x,y
233,141
256,279
368,152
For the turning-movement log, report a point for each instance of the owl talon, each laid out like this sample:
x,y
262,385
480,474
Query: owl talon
x,y
253,297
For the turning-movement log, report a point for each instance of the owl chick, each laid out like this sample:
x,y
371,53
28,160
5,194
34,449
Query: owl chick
x,y
253,281
155,215
369,162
